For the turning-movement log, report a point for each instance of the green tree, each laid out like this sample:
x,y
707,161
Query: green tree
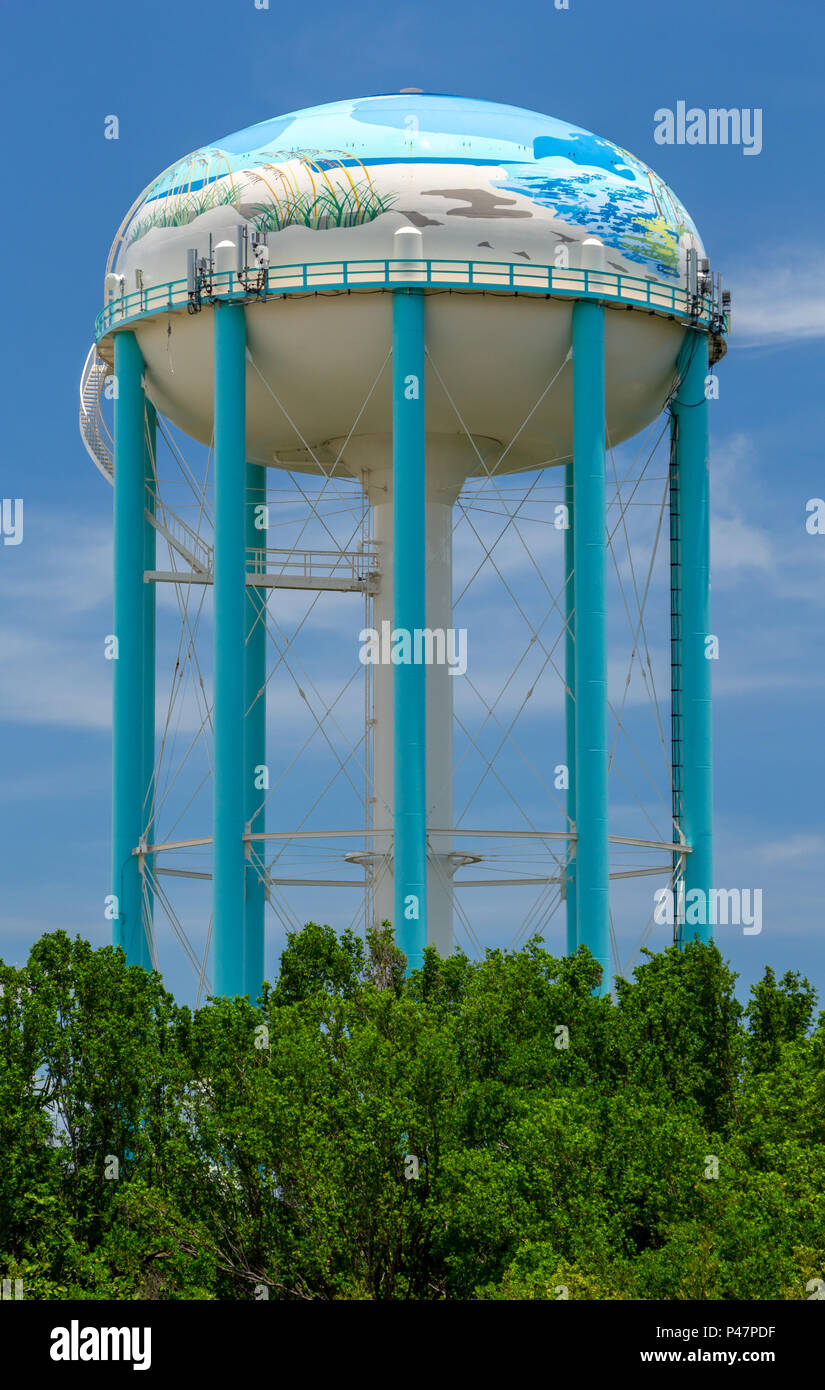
x,y
476,1130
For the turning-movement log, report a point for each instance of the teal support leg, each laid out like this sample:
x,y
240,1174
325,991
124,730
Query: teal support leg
x,y
590,590
229,591
149,630
409,613
570,709
690,410
255,742
128,693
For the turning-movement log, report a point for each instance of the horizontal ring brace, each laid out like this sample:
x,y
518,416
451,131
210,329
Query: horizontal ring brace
x,y
358,883
528,882
503,882
371,834
275,882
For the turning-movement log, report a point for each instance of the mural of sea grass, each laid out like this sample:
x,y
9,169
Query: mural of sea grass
x,y
179,209
304,188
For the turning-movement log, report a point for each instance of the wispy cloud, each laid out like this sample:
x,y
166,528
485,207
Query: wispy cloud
x,y
738,545
793,849
755,537
779,301
47,678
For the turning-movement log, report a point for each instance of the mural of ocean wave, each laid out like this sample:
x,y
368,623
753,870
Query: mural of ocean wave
x,y
644,223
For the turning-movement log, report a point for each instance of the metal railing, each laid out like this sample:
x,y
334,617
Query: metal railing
x,y
503,276
94,431
355,567
179,535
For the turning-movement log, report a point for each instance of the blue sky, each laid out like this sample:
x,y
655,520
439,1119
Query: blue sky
x,y
180,75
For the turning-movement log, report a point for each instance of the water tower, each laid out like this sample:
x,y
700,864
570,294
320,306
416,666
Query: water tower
x,y
284,296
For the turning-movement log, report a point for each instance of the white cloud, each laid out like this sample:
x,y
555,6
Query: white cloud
x,y
794,848
62,568
779,300
755,539
48,678
778,675
737,545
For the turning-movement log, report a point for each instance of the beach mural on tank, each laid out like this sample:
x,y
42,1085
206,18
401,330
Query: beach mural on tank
x,y
481,180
